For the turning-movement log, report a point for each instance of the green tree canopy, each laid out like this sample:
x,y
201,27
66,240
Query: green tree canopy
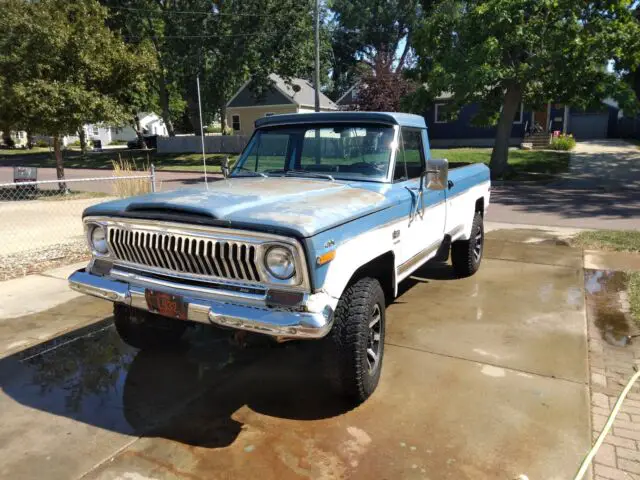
x,y
61,67
371,36
224,43
501,52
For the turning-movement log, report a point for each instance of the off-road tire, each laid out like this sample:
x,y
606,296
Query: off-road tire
x,y
145,330
350,338
466,255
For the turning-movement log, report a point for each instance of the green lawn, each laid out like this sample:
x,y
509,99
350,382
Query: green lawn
x,y
523,164
41,157
613,240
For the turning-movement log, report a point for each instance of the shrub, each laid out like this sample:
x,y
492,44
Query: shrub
x,y
42,144
128,187
563,142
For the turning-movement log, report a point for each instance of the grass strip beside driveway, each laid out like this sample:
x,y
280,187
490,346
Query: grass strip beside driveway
x,y
610,240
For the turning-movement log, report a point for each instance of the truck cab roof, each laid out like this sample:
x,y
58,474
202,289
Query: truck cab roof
x,y
390,118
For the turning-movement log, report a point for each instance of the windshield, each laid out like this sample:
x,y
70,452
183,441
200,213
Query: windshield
x,y
356,152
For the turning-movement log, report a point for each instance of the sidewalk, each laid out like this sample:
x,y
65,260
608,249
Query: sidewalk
x,y
40,307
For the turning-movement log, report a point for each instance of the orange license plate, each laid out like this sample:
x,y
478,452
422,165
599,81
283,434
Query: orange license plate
x,y
166,304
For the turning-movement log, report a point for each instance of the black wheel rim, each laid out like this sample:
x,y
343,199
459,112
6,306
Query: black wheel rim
x,y
373,342
477,246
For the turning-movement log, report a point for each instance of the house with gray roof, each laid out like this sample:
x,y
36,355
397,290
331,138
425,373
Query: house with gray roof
x,y
284,96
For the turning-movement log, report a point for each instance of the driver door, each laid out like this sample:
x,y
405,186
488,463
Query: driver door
x,y
422,230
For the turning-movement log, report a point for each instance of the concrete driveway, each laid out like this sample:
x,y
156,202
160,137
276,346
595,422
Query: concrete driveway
x,y
484,378
601,190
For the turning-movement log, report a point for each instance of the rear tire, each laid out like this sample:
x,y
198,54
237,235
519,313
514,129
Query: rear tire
x,y
466,255
145,330
356,343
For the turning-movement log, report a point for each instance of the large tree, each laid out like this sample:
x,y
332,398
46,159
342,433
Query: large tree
x,y
371,36
61,67
224,43
502,52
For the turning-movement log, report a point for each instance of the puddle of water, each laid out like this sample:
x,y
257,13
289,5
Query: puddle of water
x,y
606,291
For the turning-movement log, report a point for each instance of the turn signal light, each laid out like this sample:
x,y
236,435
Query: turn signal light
x,y
326,257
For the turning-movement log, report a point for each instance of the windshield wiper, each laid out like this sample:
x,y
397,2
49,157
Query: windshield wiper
x,y
253,173
305,173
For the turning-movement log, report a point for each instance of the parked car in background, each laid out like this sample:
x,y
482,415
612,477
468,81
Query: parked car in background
x,y
308,238
150,141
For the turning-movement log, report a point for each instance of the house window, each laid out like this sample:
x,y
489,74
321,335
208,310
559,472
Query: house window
x,y
519,114
95,130
410,158
269,114
443,113
235,122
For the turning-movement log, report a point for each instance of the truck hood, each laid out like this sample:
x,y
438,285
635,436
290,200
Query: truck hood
x,y
300,206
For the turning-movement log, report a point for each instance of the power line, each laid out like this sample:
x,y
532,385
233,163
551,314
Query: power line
x,y
191,37
191,12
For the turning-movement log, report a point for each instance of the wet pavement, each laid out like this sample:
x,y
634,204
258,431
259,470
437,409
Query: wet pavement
x,y
484,378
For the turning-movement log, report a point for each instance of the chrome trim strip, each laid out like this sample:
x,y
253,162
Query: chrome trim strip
x,y
210,293
417,258
270,321
456,230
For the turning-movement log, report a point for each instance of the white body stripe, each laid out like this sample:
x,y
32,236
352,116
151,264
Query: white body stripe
x,y
414,246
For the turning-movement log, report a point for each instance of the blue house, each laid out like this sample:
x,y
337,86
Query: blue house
x,y
444,131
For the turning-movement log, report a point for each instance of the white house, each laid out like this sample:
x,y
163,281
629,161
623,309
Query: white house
x,y
151,124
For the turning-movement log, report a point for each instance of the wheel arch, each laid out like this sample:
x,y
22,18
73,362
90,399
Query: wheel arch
x,y
383,269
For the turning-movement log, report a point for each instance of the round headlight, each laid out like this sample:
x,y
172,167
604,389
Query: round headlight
x,y
279,263
99,240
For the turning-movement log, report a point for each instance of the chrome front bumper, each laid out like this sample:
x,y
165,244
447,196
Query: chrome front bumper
x,y
270,321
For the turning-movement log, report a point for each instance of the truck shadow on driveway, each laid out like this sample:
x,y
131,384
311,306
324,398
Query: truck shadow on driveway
x,y
190,395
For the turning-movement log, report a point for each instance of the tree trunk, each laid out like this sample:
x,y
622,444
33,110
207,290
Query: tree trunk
x,y
500,154
223,119
59,163
194,114
82,135
138,128
30,142
164,103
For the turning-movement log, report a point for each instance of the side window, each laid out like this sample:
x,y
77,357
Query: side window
x,y
412,152
235,122
400,173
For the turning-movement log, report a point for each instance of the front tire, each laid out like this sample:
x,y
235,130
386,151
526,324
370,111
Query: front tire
x,y
466,255
146,330
356,341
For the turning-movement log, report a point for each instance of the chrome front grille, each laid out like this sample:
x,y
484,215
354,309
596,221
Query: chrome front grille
x,y
235,260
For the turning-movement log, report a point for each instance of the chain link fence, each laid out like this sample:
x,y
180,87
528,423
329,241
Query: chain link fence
x,y
41,221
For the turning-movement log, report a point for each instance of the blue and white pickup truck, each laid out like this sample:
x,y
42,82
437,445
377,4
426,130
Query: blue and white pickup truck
x,y
308,237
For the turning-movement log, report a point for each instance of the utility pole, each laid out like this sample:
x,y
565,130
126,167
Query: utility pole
x,y
204,158
317,48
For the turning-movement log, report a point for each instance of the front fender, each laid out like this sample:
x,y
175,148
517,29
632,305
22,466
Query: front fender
x,y
356,244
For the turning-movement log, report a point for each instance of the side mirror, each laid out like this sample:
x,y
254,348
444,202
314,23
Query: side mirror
x,y
437,174
224,166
